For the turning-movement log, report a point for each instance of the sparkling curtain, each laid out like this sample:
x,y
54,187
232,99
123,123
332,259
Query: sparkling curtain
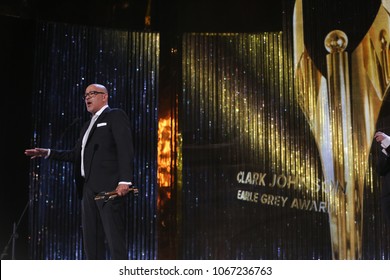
x,y
252,180
67,59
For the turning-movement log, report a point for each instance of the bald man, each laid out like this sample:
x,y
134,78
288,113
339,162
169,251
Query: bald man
x,y
103,157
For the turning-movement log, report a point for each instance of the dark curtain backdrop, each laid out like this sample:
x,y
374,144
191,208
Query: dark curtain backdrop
x,y
67,59
16,55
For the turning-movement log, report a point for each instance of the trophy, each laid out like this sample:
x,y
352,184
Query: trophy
x,y
342,109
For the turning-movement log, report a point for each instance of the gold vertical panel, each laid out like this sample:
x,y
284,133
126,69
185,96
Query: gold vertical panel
x,y
251,172
342,103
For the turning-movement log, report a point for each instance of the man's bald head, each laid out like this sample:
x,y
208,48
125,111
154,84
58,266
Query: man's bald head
x,y
95,97
96,87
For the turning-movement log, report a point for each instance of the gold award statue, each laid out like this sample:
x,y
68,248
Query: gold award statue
x,y
342,110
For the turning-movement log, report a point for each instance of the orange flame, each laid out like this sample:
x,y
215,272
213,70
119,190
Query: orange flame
x,y
165,152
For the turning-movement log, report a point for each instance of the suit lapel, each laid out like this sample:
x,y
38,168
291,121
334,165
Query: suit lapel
x,y
100,117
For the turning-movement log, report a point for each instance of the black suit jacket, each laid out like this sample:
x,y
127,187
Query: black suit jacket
x,y
108,154
383,169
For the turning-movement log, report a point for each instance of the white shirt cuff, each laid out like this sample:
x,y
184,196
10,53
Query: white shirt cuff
x,y
385,142
48,153
127,183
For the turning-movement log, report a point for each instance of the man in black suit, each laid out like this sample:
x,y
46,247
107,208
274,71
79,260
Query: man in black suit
x,y
103,157
383,169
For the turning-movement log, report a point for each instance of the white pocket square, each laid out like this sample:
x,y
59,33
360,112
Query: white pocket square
x,y
101,124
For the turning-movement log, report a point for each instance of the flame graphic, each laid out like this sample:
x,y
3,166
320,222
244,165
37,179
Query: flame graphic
x,y
165,152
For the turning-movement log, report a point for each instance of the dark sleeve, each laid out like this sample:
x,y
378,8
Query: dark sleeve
x,y
123,137
63,155
383,163
388,150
